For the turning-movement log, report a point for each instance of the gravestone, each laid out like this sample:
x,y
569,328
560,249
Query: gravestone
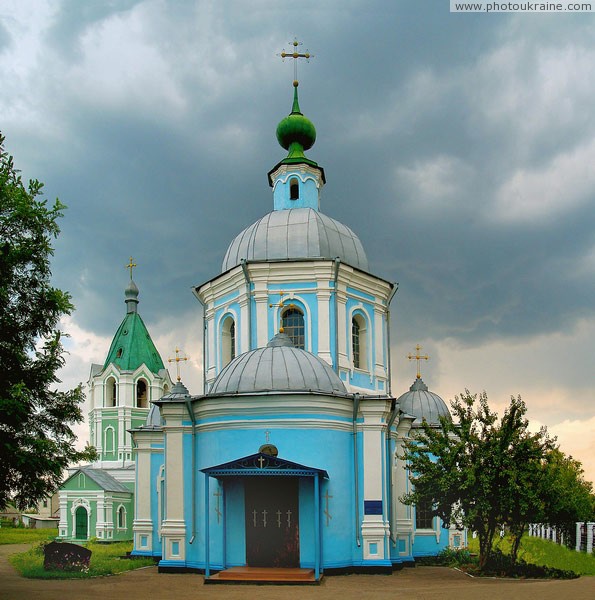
x,y
63,556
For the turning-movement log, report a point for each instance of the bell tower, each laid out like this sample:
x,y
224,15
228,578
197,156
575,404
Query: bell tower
x,y
121,390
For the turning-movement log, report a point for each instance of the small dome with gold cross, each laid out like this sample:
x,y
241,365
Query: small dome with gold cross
x,y
422,404
419,402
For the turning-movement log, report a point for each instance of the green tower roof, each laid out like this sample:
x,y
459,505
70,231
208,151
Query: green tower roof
x,y
132,345
297,134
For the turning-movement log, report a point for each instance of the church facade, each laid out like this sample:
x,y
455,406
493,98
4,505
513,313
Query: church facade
x,y
290,458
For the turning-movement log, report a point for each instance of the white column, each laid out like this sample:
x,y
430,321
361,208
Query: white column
x,y
402,523
209,350
142,526
375,527
260,322
590,527
342,353
324,331
379,331
243,332
174,525
63,524
100,524
578,537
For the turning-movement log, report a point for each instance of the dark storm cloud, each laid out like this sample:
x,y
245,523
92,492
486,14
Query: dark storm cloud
x,y
423,120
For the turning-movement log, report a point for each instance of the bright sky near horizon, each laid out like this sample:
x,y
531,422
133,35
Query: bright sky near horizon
x,y
459,147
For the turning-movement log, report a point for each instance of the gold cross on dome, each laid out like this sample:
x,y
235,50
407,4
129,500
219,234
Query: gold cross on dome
x,y
418,357
295,55
130,266
178,359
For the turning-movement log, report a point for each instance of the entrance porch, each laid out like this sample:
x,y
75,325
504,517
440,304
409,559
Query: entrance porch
x,y
271,519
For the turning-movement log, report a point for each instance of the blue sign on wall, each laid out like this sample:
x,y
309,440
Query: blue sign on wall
x,y
372,507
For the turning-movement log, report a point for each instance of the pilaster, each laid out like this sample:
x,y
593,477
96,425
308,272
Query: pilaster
x,y
375,526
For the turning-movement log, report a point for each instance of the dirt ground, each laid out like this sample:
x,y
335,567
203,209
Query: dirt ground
x,y
420,583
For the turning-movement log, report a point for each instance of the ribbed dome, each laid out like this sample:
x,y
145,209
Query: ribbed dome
x,y
293,234
279,367
154,419
420,403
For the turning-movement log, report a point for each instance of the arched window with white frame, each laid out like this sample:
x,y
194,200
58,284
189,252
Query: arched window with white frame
x,y
142,394
111,394
294,189
109,440
359,341
228,340
121,517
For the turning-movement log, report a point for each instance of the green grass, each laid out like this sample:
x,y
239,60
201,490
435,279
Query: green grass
x,y
543,552
20,535
105,560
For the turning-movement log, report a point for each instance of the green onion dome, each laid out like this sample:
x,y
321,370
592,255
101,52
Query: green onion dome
x,y
295,132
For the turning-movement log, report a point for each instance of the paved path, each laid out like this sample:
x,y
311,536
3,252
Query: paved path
x,y
421,583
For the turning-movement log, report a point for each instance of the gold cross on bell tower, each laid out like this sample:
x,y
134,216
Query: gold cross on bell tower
x,y
130,266
418,357
295,55
178,359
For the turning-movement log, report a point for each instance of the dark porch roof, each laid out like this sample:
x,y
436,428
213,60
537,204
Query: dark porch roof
x,y
262,465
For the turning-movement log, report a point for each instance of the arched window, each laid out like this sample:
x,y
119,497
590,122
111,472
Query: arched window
x,y
141,394
228,340
294,189
109,440
111,398
121,517
424,519
359,342
292,322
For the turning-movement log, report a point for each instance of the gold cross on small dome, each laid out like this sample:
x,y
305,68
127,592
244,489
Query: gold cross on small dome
x,y
130,266
178,359
418,357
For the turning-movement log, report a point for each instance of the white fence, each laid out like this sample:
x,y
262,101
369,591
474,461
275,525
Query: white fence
x,y
585,534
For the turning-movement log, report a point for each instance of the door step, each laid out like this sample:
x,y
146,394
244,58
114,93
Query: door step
x,y
265,575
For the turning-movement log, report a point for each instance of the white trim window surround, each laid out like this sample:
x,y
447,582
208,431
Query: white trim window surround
x,y
121,517
359,341
228,339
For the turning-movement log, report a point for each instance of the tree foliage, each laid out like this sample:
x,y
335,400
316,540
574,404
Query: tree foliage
x,y
567,496
36,441
480,472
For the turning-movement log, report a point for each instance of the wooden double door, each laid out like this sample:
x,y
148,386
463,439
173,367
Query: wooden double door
x,y
272,521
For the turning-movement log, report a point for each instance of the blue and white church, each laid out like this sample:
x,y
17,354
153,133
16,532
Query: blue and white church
x,y
290,458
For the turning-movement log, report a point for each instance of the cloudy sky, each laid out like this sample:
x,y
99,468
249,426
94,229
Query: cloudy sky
x,y
460,148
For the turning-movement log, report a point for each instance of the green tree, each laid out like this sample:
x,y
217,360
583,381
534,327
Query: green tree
x,y
36,441
478,470
567,496
520,472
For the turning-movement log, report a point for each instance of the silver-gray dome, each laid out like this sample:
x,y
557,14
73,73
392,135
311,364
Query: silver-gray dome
x,y
420,403
296,233
279,367
154,419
